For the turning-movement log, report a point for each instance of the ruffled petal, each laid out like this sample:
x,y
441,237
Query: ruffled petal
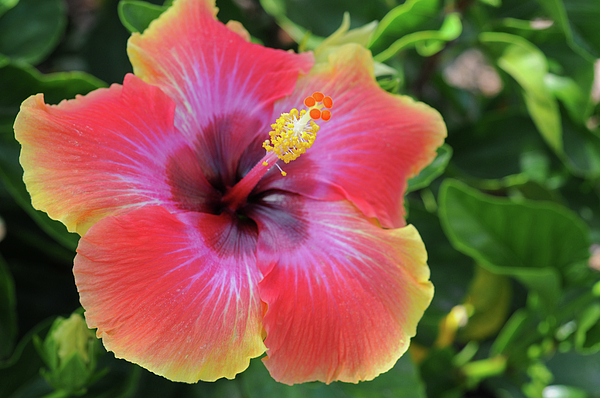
x,y
217,79
175,294
372,145
344,296
107,152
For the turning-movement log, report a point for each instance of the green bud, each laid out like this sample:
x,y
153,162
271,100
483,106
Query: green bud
x,y
69,351
72,337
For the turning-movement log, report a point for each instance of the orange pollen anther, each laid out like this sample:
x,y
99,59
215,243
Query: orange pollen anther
x,y
318,96
317,101
310,101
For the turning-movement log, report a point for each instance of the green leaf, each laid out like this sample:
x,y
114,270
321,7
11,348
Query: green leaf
x,y
343,36
582,149
493,3
578,19
556,391
104,49
309,28
21,82
536,243
401,381
571,78
440,375
587,337
450,30
301,35
6,5
493,148
402,20
580,371
528,66
577,102
137,15
512,330
8,308
484,368
489,298
427,42
321,18
432,171
275,8
24,364
32,29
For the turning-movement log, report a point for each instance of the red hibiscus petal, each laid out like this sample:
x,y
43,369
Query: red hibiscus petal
x,y
175,294
216,77
106,152
344,296
373,144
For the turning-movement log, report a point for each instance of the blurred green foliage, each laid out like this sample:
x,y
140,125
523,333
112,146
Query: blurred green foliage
x,y
509,210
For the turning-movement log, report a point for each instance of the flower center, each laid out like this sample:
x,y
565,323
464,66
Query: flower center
x,y
293,133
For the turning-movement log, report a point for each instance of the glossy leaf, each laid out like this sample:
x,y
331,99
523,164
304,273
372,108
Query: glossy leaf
x,y
31,29
401,381
512,331
323,17
23,366
6,5
8,314
579,21
402,20
528,66
344,35
579,371
137,15
301,35
571,77
582,149
440,375
587,338
494,147
556,391
489,300
493,3
105,48
577,101
536,243
427,42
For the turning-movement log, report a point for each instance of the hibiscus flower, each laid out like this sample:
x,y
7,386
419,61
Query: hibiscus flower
x,y
194,255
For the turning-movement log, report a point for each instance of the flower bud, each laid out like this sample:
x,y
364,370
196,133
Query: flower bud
x,y
69,351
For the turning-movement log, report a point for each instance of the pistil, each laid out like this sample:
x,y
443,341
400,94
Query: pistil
x,y
293,133
236,197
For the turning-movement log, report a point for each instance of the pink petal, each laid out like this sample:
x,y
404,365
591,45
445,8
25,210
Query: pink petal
x,y
174,294
217,79
107,152
372,145
344,296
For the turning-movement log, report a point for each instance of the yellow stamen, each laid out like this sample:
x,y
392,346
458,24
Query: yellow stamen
x,y
295,132
292,135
